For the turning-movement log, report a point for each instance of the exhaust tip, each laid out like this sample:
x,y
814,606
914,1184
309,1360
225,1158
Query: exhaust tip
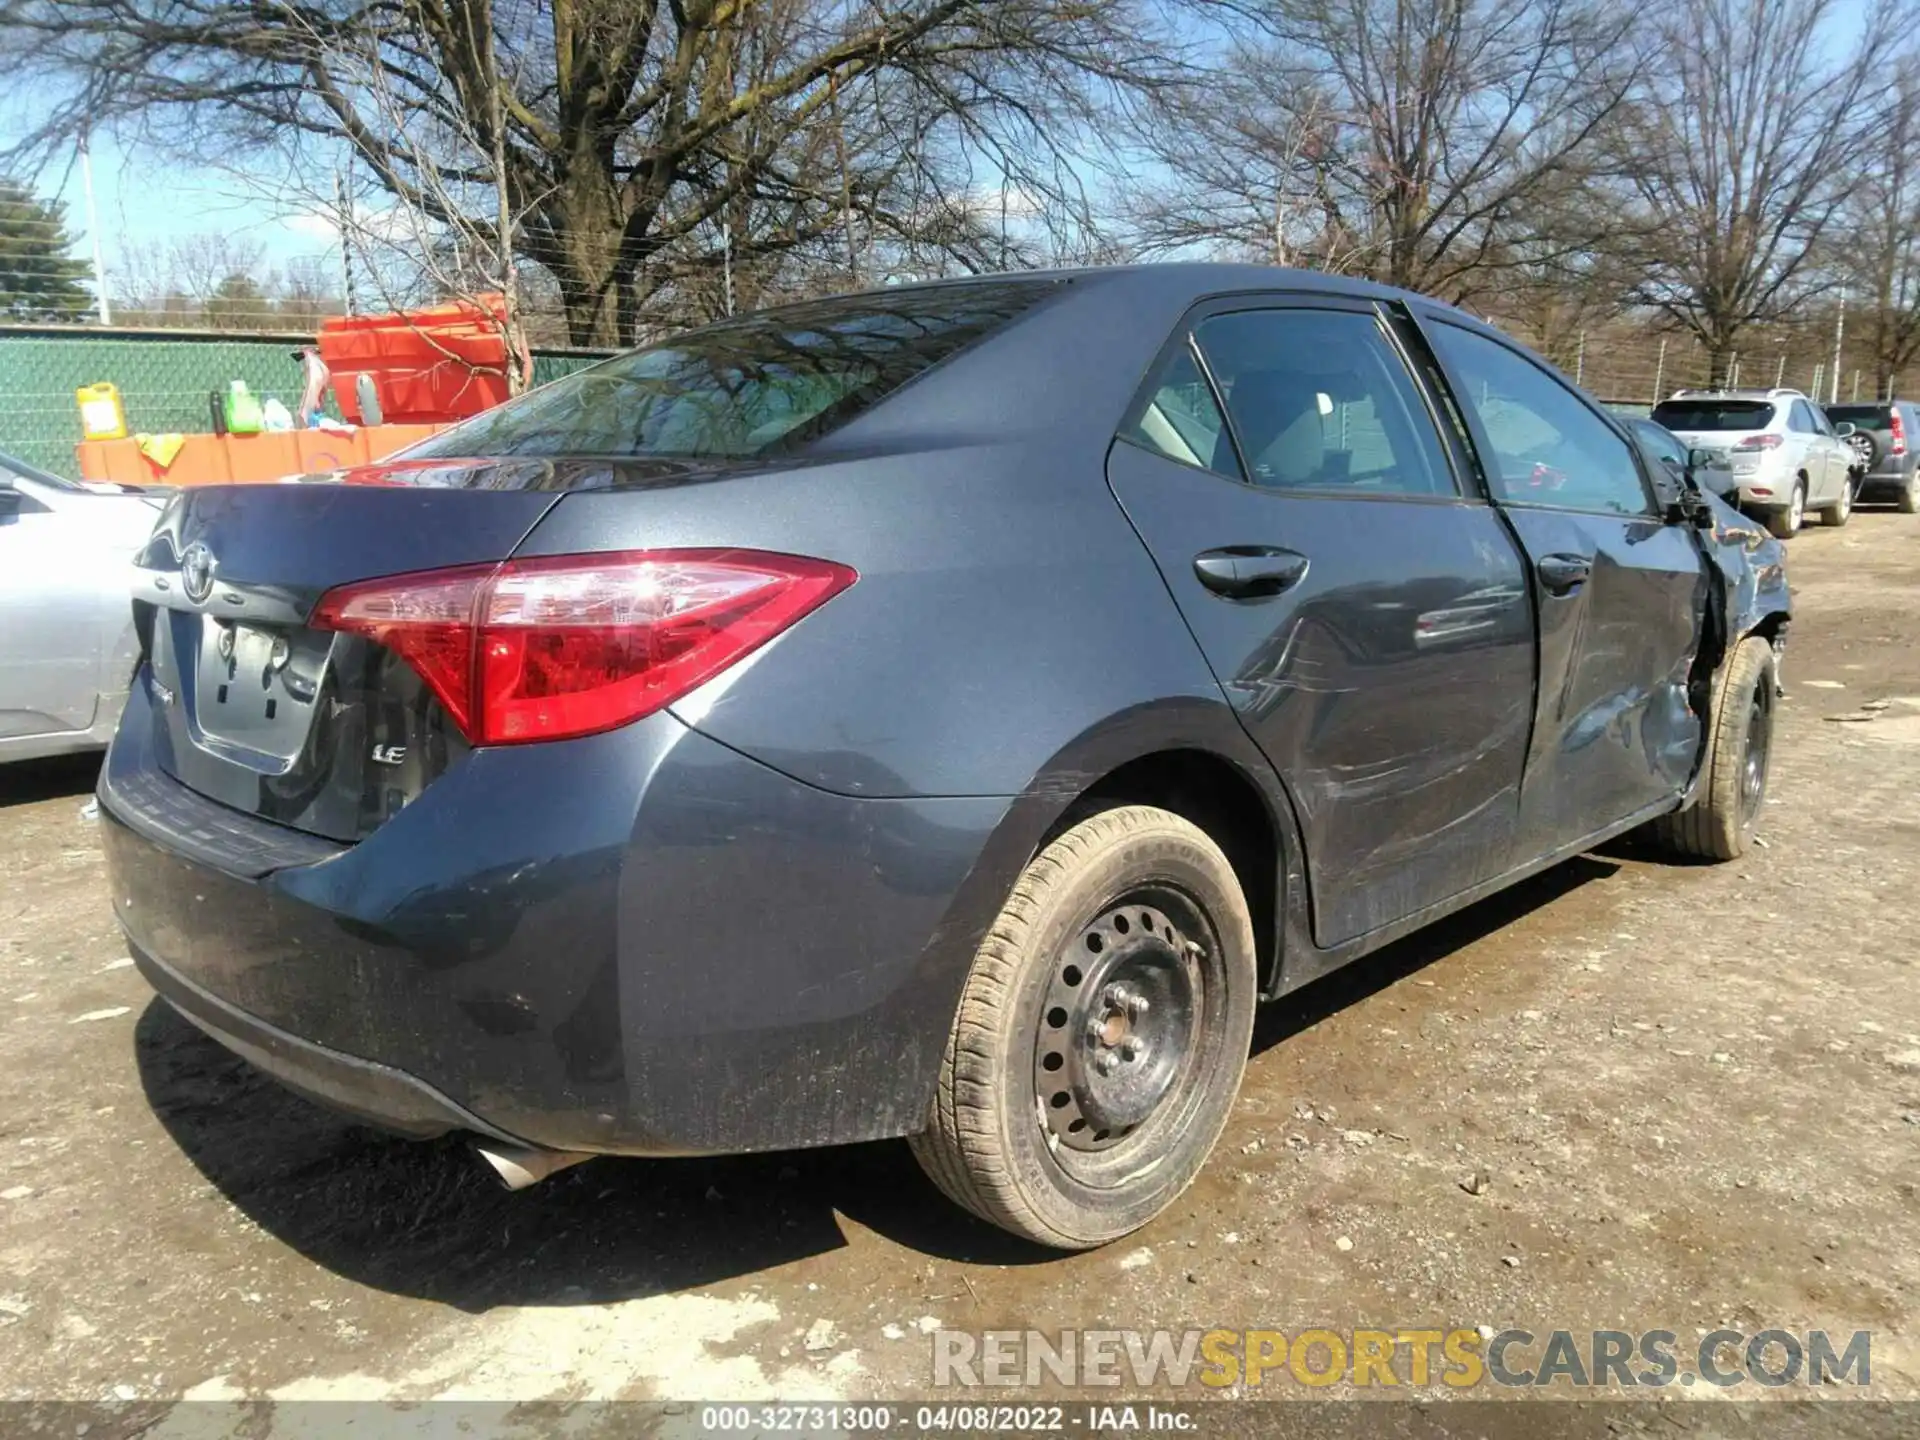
x,y
519,1166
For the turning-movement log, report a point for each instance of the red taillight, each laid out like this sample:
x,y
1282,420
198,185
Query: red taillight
x,y
1760,442
546,648
1899,446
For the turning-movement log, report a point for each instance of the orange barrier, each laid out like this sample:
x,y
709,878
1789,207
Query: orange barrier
x,y
441,363
247,459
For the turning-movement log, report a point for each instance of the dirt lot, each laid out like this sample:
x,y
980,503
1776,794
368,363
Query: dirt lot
x,y
1694,1091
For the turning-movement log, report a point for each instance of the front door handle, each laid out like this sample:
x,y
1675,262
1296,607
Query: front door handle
x,y
1563,574
1249,572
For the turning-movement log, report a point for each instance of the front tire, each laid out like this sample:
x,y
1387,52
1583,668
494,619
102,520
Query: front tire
x,y
1719,824
1101,1036
1785,524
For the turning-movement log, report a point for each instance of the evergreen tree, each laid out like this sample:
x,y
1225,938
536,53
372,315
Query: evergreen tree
x,y
39,278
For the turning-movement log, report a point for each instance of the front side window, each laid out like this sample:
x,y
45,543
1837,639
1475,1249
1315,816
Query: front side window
x,y
748,387
1320,401
1549,448
1800,418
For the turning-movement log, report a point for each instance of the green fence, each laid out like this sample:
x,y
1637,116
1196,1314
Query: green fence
x,y
164,377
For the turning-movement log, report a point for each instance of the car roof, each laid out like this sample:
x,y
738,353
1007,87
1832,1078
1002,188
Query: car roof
x,y
1197,280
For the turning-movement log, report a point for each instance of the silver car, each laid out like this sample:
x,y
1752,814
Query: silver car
x,y
67,646
1785,456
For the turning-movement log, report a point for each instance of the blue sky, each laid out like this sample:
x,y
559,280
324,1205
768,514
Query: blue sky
x,y
141,199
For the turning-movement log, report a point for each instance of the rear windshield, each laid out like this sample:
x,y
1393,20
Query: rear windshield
x,y
1714,414
1858,414
747,387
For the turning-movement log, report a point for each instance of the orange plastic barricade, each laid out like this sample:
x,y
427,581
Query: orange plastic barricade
x,y
433,365
247,459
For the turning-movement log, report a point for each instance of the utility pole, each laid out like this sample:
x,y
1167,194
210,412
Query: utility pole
x,y
1839,331
100,301
346,244
1580,360
1659,370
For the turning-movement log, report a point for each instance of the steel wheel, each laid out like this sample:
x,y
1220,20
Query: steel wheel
x,y
1101,1034
1122,1013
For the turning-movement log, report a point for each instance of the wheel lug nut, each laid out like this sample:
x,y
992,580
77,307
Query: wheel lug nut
x,y
1096,1031
1115,997
1103,1062
1131,1047
1137,1005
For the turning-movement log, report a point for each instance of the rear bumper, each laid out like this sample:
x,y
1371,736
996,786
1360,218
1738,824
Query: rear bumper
x,y
364,1089
638,943
1886,480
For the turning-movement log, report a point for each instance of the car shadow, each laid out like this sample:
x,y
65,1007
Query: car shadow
x,y
1314,1002
427,1220
25,782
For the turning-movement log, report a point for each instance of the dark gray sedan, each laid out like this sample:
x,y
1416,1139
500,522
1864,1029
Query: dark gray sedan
x,y
940,712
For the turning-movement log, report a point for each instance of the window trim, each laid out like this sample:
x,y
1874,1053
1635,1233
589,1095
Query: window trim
x,y
1483,443
1242,302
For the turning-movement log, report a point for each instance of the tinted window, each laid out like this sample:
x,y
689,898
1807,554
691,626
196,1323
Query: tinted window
x,y
747,387
1319,400
1799,418
1866,417
1182,421
1549,447
1714,414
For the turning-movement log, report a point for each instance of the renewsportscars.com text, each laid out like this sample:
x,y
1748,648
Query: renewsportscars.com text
x,y
1457,1358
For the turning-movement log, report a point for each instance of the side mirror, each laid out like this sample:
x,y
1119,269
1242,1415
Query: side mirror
x,y
1843,429
1700,459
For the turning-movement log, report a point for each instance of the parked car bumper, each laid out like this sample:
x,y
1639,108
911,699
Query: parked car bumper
x,y
1886,482
641,942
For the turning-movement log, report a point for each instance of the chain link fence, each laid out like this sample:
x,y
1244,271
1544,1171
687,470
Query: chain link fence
x,y
166,380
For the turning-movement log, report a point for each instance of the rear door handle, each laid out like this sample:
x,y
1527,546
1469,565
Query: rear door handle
x,y
1249,572
1563,574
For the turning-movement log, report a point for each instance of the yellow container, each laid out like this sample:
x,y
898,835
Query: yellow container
x,y
102,416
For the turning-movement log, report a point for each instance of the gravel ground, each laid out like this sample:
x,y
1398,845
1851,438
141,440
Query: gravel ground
x,y
1686,1097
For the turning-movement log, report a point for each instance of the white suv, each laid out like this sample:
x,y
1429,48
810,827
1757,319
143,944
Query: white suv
x,y
1785,455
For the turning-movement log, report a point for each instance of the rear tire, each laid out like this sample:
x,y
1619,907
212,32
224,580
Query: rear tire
x,y
1101,1036
1720,822
1838,513
1909,497
1785,524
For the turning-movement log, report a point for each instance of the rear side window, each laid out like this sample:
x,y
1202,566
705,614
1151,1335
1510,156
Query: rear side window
x,y
1320,401
1182,421
1549,447
1714,414
1866,417
750,387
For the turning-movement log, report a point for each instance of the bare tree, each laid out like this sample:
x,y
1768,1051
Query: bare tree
x,y
623,129
1743,154
1402,139
1881,261
177,281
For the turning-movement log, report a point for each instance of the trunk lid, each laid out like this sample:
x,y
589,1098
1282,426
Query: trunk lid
x,y
251,707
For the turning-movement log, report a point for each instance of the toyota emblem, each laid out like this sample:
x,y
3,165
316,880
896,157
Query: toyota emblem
x,y
196,572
